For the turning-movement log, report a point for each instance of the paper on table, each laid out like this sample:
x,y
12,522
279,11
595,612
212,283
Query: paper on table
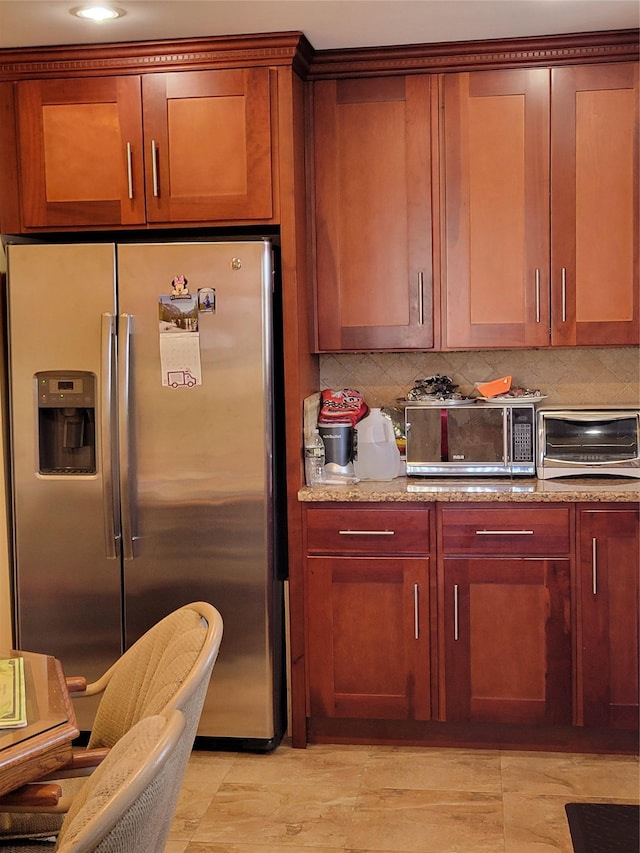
x,y
13,710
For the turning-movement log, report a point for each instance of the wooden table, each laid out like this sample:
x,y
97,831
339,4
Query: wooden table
x,y
44,744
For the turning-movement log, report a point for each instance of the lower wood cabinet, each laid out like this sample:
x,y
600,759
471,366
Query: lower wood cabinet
x,y
505,620
507,640
463,624
607,649
368,637
368,625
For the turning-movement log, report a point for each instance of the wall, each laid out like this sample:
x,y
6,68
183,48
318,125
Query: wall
x,y
591,376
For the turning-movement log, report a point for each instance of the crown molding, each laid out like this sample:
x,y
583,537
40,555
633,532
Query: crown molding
x,y
287,48
572,49
294,50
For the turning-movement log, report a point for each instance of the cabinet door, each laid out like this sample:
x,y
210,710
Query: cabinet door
x,y
507,640
594,204
608,617
372,179
496,209
81,152
368,637
208,138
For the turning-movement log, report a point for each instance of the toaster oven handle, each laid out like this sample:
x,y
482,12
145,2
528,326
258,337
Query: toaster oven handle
x,y
587,417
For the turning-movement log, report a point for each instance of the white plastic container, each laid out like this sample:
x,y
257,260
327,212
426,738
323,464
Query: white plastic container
x,y
378,457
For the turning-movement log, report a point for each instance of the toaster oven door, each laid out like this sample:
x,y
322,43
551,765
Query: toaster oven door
x,y
588,443
591,438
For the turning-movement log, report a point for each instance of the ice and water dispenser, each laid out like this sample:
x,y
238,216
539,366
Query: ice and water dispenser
x,y
66,422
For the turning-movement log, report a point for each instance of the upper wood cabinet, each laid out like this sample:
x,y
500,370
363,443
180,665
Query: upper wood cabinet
x,y
81,151
372,185
594,205
161,148
209,143
540,232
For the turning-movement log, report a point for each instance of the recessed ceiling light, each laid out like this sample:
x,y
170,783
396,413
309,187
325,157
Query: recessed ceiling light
x,y
98,13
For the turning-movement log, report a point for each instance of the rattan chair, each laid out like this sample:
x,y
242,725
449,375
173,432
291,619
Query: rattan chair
x,y
121,807
168,668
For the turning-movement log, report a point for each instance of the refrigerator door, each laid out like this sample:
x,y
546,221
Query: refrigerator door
x,y
196,462
68,590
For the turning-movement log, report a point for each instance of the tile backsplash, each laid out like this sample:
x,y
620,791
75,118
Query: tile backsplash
x,y
580,375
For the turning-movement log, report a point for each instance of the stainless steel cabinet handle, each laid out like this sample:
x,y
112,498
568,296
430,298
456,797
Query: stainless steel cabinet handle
x,y
416,615
564,294
504,532
366,532
111,504
456,625
124,378
537,296
154,167
129,171
421,298
594,566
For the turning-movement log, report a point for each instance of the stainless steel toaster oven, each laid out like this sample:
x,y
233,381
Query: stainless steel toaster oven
x,y
579,441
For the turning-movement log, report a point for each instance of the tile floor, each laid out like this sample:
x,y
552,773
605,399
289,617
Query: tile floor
x,y
328,799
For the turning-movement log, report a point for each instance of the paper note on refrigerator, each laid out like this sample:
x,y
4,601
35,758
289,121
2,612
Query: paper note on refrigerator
x,y
179,342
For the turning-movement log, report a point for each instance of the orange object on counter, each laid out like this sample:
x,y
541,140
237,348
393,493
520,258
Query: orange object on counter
x,y
495,387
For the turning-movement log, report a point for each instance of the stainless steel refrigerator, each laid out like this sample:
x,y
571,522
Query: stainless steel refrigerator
x,y
143,465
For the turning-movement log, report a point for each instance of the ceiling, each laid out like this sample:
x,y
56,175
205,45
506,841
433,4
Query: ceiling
x,y
328,24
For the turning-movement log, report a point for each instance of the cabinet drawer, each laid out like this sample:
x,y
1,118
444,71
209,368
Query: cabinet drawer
x,y
367,531
510,531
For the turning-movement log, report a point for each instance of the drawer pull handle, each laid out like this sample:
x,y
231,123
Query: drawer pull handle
x,y
594,566
504,532
456,625
366,532
416,617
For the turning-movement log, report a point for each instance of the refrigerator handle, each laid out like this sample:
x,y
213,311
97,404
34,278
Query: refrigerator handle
x,y
124,380
112,531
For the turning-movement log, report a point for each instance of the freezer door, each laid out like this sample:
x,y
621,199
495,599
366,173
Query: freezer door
x,y
196,461
67,588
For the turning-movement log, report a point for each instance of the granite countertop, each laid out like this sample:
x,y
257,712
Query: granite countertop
x,y
524,489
